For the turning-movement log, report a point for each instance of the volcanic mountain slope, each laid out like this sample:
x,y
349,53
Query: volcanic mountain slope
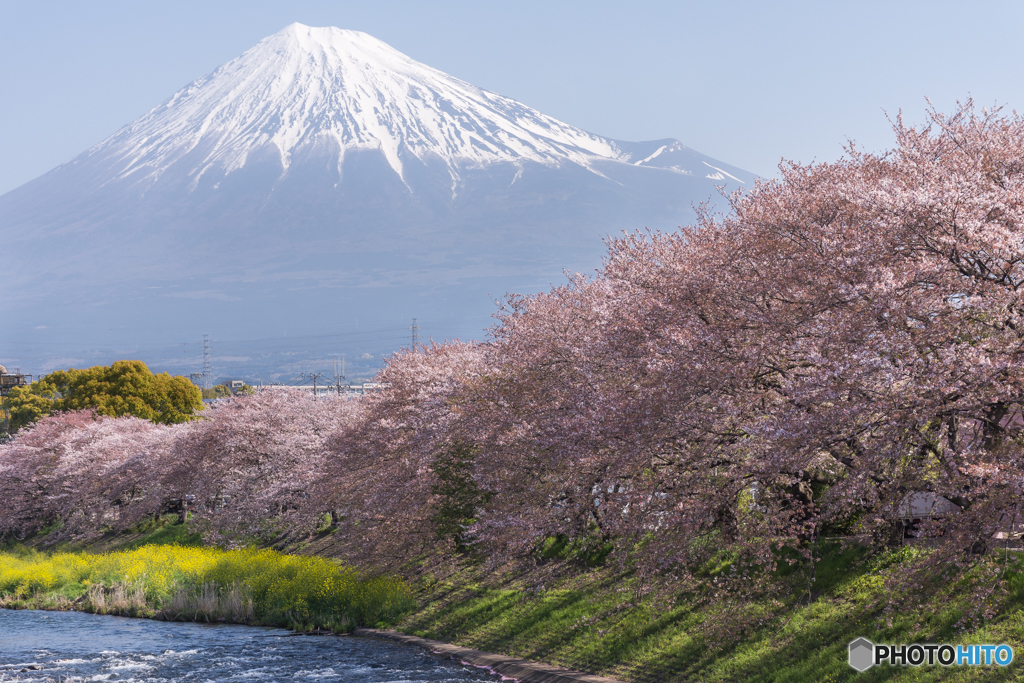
x,y
324,174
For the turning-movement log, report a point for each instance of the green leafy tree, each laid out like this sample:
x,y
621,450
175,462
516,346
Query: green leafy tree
x,y
127,387
219,391
457,496
27,404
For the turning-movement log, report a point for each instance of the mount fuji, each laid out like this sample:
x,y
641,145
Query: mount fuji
x,y
322,188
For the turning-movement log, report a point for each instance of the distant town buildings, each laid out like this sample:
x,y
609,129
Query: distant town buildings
x,y
234,385
9,380
328,389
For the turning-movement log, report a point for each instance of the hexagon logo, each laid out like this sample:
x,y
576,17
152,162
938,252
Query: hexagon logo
x,y
862,654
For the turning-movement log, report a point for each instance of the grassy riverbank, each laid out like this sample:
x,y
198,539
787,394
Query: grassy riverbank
x,y
604,621
563,612
203,584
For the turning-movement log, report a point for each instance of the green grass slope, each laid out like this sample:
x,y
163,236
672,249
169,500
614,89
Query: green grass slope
x,y
605,621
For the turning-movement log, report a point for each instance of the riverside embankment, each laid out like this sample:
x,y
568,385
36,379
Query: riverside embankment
x,y
610,621
191,584
563,614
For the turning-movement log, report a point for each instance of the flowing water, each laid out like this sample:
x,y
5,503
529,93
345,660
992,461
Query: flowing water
x,y
72,646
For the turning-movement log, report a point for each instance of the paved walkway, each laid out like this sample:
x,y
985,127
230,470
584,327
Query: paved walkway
x,y
519,669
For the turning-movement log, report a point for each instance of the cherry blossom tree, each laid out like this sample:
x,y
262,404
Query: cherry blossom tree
x,y
850,329
75,472
240,472
854,325
379,478
248,467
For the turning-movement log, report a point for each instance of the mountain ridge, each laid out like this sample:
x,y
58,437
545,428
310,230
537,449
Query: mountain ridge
x,y
288,102
323,169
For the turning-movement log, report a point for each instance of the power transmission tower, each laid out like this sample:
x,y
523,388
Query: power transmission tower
x,y
415,334
337,377
207,380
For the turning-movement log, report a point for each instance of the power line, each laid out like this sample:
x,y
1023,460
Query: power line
x,y
369,337
108,344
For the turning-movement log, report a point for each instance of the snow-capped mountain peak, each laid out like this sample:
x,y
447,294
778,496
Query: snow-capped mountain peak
x,y
315,86
323,181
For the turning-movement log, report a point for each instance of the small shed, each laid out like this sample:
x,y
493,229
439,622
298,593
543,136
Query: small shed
x,y
926,505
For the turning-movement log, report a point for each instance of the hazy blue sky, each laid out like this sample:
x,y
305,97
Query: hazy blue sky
x,y
745,82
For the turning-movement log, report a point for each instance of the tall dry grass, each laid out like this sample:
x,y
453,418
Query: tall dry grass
x,y
210,602
119,598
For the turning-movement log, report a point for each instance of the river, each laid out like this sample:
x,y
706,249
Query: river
x,y
72,646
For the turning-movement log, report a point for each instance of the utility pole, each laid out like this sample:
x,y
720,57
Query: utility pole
x,y
415,334
314,376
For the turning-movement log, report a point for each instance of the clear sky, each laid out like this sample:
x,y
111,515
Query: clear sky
x,y
746,82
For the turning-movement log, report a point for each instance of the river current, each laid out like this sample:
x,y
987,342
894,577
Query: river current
x,y
72,646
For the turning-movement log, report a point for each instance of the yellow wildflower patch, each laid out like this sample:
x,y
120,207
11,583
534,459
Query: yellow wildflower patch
x,y
299,591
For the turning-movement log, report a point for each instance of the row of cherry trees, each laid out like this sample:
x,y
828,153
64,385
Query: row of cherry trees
x,y
241,473
846,335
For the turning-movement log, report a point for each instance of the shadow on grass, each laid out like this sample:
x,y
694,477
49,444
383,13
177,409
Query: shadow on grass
x,y
590,621
163,531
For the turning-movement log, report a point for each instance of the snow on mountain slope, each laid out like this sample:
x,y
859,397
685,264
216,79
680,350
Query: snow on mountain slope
x,y
307,86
